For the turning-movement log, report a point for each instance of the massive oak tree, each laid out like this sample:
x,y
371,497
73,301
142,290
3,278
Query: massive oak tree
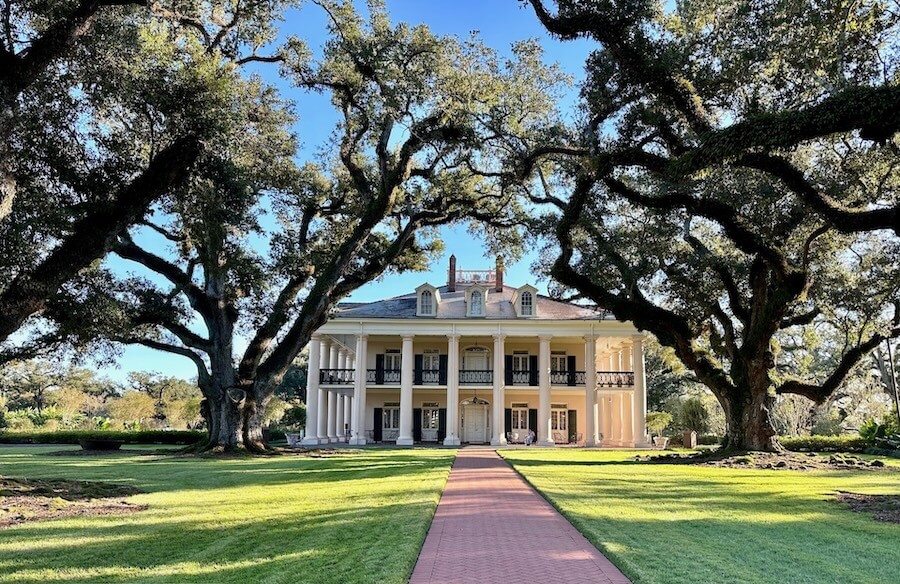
x,y
418,114
732,179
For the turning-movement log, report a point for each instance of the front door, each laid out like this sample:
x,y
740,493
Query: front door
x,y
475,421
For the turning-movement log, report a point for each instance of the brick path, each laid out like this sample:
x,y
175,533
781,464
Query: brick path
x,y
491,526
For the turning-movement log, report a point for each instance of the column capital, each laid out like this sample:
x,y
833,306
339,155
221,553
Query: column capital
x,y
454,337
407,337
363,336
589,338
545,338
499,336
315,337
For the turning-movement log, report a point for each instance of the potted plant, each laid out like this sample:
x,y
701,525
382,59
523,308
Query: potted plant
x,y
294,420
657,422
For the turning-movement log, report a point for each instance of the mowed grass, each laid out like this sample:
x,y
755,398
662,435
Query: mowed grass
x,y
359,516
691,524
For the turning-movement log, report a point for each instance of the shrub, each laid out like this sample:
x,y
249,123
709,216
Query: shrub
x,y
658,421
843,443
693,415
72,437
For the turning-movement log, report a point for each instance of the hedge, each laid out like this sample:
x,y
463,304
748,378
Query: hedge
x,y
844,443
73,436
883,452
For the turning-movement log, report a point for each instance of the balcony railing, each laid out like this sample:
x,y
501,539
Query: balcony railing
x,y
336,376
615,378
431,376
571,378
521,377
476,376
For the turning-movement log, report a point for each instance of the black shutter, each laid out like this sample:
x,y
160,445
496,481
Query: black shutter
x,y
570,369
417,424
379,421
379,369
508,369
417,369
573,425
507,419
532,370
442,370
532,423
442,424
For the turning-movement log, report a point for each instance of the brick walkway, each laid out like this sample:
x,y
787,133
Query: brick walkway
x,y
491,526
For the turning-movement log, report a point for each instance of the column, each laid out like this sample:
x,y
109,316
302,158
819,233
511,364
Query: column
x,y
332,410
348,409
607,419
545,436
619,415
499,375
640,393
358,413
339,417
452,438
321,424
405,438
628,419
590,391
312,391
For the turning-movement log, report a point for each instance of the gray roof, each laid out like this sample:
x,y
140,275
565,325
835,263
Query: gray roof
x,y
453,306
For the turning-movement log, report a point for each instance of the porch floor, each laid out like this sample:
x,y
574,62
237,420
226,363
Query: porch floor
x,y
491,526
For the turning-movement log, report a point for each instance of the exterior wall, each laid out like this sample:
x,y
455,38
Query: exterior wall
x,y
618,411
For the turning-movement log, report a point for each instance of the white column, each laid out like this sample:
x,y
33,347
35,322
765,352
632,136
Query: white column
x,y
499,431
358,412
640,393
452,438
545,436
339,418
607,419
405,438
590,390
321,423
628,419
312,391
332,410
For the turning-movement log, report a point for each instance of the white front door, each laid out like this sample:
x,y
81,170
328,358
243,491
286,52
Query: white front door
x,y
475,420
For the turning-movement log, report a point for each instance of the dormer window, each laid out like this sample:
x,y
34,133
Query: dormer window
x,y
476,300
527,304
427,300
524,301
477,303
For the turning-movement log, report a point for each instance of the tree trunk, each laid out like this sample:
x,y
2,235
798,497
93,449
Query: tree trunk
x,y
749,421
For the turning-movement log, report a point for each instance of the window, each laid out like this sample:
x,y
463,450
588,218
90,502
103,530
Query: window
x,y
520,418
431,360
392,360
430,411
559,420
476,307
558,361
391,416
426,302
527,304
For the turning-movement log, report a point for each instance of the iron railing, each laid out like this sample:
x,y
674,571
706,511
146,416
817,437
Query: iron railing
x,y
431,376
615,378
476,376
336,376
570,378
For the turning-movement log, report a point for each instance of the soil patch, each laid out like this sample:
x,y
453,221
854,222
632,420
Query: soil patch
x,y
772,460
882,507
24,500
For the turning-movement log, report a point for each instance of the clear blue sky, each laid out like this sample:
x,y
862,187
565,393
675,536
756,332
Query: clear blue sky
x,y
499,23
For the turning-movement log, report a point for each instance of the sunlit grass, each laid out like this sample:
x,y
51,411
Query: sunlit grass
x,y
360,516
687,524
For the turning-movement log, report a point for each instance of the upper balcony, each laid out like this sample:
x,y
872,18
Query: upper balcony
x,y
438,377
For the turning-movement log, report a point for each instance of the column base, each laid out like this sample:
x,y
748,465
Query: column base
x,y
404,441
357,441
310,441
546,443
498,441
331,440
590,444
448,441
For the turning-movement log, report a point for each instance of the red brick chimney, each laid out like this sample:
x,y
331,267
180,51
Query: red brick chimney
x,y
498,275
451,276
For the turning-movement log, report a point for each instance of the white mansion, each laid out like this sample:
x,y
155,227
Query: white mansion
x,y
475,362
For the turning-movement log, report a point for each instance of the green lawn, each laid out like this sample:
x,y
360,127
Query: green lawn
x,y
678,523
360,516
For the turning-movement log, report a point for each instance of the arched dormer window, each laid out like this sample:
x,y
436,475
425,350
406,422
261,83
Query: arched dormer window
x,y
426,302
476,303
428,298
524,301
527,303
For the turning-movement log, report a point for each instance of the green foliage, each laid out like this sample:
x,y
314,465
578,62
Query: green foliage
x,y
693,415
658,421
294,417
841,443
72,437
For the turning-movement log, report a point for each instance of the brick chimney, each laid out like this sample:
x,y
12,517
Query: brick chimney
x,y
451,275
498,275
